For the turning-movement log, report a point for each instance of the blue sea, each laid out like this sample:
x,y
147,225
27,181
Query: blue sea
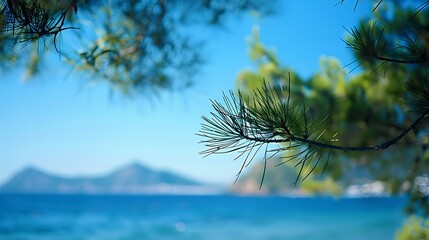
x,y
61,217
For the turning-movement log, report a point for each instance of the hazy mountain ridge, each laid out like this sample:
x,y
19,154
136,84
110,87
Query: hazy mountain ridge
x,y
130,179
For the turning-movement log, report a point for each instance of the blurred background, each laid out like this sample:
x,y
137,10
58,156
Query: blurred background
x,y
102,102
72,122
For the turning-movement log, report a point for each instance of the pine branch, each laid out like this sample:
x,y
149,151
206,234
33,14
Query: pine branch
x,y
369,42
30,21
244,126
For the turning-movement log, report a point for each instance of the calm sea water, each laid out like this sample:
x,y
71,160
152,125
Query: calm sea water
x,y
74,217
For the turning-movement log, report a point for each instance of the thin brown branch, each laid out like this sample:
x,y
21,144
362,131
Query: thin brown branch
x,y
401,61
323,145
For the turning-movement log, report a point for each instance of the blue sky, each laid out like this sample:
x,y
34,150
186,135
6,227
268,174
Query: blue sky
x,y
62,125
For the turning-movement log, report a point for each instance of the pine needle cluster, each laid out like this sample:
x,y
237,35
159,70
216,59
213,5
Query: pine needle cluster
x,y
32,20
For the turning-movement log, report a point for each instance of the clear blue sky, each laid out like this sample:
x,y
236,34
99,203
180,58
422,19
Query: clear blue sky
x,y
63,126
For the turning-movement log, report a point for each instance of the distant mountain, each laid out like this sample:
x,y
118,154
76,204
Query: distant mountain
x,y
131,179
